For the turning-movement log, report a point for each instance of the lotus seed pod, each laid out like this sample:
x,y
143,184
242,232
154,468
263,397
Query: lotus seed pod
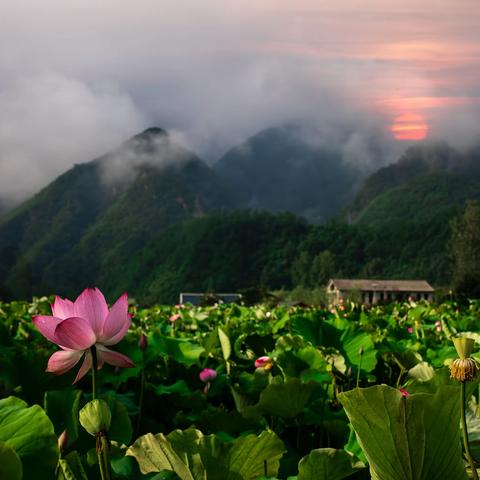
x,y
464,369
463,346
95,417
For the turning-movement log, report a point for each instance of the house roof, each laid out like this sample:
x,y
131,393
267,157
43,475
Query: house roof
x,y
382,285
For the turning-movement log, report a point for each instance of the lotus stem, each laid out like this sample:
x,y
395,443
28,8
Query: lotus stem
x,y
93,352
102,443
359,366
465,433
141,395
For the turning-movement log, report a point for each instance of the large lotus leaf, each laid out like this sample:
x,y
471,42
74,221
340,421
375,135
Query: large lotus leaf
x,y
407,438
71,468
10,464
155,453
328,464
182,350
121,427
204,453
193,456
353,341
179,388
62,408
30,433
251,457
285,400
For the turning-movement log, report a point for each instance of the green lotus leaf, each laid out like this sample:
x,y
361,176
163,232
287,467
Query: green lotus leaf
x,y
29,432
328,464
194,456
407,438
10,464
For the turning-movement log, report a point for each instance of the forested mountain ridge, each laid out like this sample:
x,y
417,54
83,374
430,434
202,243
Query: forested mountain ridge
x,y
99,212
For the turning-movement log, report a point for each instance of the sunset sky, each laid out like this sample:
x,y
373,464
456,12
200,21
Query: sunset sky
x,y
80,76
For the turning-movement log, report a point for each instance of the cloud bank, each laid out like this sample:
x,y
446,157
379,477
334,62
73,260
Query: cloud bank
x,y
78,78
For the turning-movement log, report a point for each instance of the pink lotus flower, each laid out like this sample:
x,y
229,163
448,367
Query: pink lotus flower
x,y
77,326
207,375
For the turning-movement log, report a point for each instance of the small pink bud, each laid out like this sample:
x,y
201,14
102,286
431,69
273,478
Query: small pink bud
x,y
410,329
207,375
438,323
404,392
264,362
174,318
143,342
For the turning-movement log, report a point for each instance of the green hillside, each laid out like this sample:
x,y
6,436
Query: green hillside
x,y
83,223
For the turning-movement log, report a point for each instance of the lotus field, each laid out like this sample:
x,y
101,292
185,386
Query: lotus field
x,y
227,392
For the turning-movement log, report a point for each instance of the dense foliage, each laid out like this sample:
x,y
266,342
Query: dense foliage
x,y
288,410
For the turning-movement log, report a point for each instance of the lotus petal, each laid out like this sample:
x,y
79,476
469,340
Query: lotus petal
x,y
63,308
47,325
86,366
117,322
62,361
75,333
113,358
91,306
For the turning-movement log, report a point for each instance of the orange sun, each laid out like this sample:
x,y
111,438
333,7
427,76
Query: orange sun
x,y
409,126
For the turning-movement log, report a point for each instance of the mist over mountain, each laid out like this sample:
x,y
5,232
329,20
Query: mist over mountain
x,y
296,169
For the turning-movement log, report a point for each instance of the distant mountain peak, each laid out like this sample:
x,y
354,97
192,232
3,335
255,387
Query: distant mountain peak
x,y
151,133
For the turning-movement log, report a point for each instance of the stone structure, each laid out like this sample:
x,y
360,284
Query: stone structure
x,y
371,292
199,298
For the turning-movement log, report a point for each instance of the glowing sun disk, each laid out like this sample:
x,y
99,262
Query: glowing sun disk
x,y
409,126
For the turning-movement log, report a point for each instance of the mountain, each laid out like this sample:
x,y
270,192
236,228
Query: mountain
x,y
291,169
408,207
98,213
418,160
226,252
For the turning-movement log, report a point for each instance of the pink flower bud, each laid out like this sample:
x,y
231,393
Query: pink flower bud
x,y
207,375
264,362
404,392
143,342
410,329
174,318
438,323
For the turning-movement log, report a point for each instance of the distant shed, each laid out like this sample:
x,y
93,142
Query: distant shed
x,y
375,291
199,298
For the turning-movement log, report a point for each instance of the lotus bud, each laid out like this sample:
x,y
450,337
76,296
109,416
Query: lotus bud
x,y
63,441
207,375
264,362
143,342
95,417
404,392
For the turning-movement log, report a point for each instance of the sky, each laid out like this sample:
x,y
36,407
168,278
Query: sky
x,y
79,77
